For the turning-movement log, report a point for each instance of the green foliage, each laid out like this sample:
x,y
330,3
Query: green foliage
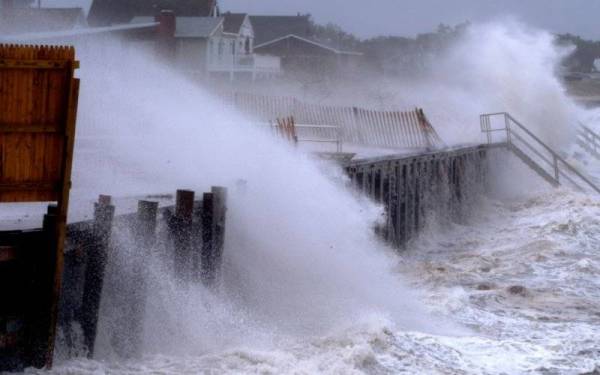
x,y
333,35
401,55
582,58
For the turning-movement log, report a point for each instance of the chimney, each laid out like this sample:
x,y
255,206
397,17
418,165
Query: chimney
x,y
168,23
165,36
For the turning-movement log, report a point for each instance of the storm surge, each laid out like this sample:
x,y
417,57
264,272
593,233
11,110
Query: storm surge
x,y
301,256
502,66
306,285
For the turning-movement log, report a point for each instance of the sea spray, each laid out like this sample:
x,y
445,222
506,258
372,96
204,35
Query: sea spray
x,y
301,257
501,66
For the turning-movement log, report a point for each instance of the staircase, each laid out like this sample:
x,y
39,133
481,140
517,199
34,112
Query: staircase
x,y
538,155
588,140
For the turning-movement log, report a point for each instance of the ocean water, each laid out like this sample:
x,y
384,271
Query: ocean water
x,y
307,287
522,278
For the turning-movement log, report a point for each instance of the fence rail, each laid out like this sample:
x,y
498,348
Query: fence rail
x,y
386,129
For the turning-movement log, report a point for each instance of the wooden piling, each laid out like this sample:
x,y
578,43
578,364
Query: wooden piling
x,y
15,293
41,330
213,233
97,256
207,262
182,231
145,239
219,215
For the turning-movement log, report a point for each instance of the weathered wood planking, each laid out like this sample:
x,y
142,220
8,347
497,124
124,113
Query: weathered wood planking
x,y
38,107
37,97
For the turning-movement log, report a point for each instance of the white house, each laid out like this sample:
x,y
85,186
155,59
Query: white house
x,y
214,46
233,52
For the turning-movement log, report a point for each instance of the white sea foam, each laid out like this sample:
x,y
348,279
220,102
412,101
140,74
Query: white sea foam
x,y
307,288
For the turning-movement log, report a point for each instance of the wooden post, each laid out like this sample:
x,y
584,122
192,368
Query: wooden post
x,y
145,238
182,230
410,200
392,208
220,209
40,319
97,256
207,256
402,196
213,233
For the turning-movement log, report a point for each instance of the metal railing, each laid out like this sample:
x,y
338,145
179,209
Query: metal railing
x,y
533,151
321,134
588,140
309,133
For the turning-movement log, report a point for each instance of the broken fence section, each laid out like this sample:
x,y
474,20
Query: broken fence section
x,y
386,129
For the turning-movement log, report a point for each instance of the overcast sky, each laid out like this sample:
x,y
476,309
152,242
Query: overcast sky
x,y
409,17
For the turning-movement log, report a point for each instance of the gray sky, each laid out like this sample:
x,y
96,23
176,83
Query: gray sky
x,y
409,17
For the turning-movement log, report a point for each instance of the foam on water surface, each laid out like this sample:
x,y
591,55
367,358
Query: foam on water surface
x,y
307,287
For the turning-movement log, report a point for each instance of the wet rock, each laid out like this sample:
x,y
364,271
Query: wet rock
x,y
595,371
440,269
588,352
517,290
485,269
485,286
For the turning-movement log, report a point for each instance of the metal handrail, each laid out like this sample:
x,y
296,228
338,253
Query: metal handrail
x,y
557,161
590,140
339,135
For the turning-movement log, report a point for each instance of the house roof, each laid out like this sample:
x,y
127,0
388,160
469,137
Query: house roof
x,y
233,22
309,41
38,20
110,12
268,28
189,27
77,32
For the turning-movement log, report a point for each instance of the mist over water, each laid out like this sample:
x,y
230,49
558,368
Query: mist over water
x,y
301,257
503,66
306,285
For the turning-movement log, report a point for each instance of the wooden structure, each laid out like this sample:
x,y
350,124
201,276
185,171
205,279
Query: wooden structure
x,y
38,105
366,127
190,235
417,189
286,129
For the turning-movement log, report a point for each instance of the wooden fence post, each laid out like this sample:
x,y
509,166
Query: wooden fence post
x,y
41,330
220,209
213,233
97,256
181,227
145,238
207,256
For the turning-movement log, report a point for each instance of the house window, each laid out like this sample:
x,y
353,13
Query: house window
x,y
247,48
220,51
